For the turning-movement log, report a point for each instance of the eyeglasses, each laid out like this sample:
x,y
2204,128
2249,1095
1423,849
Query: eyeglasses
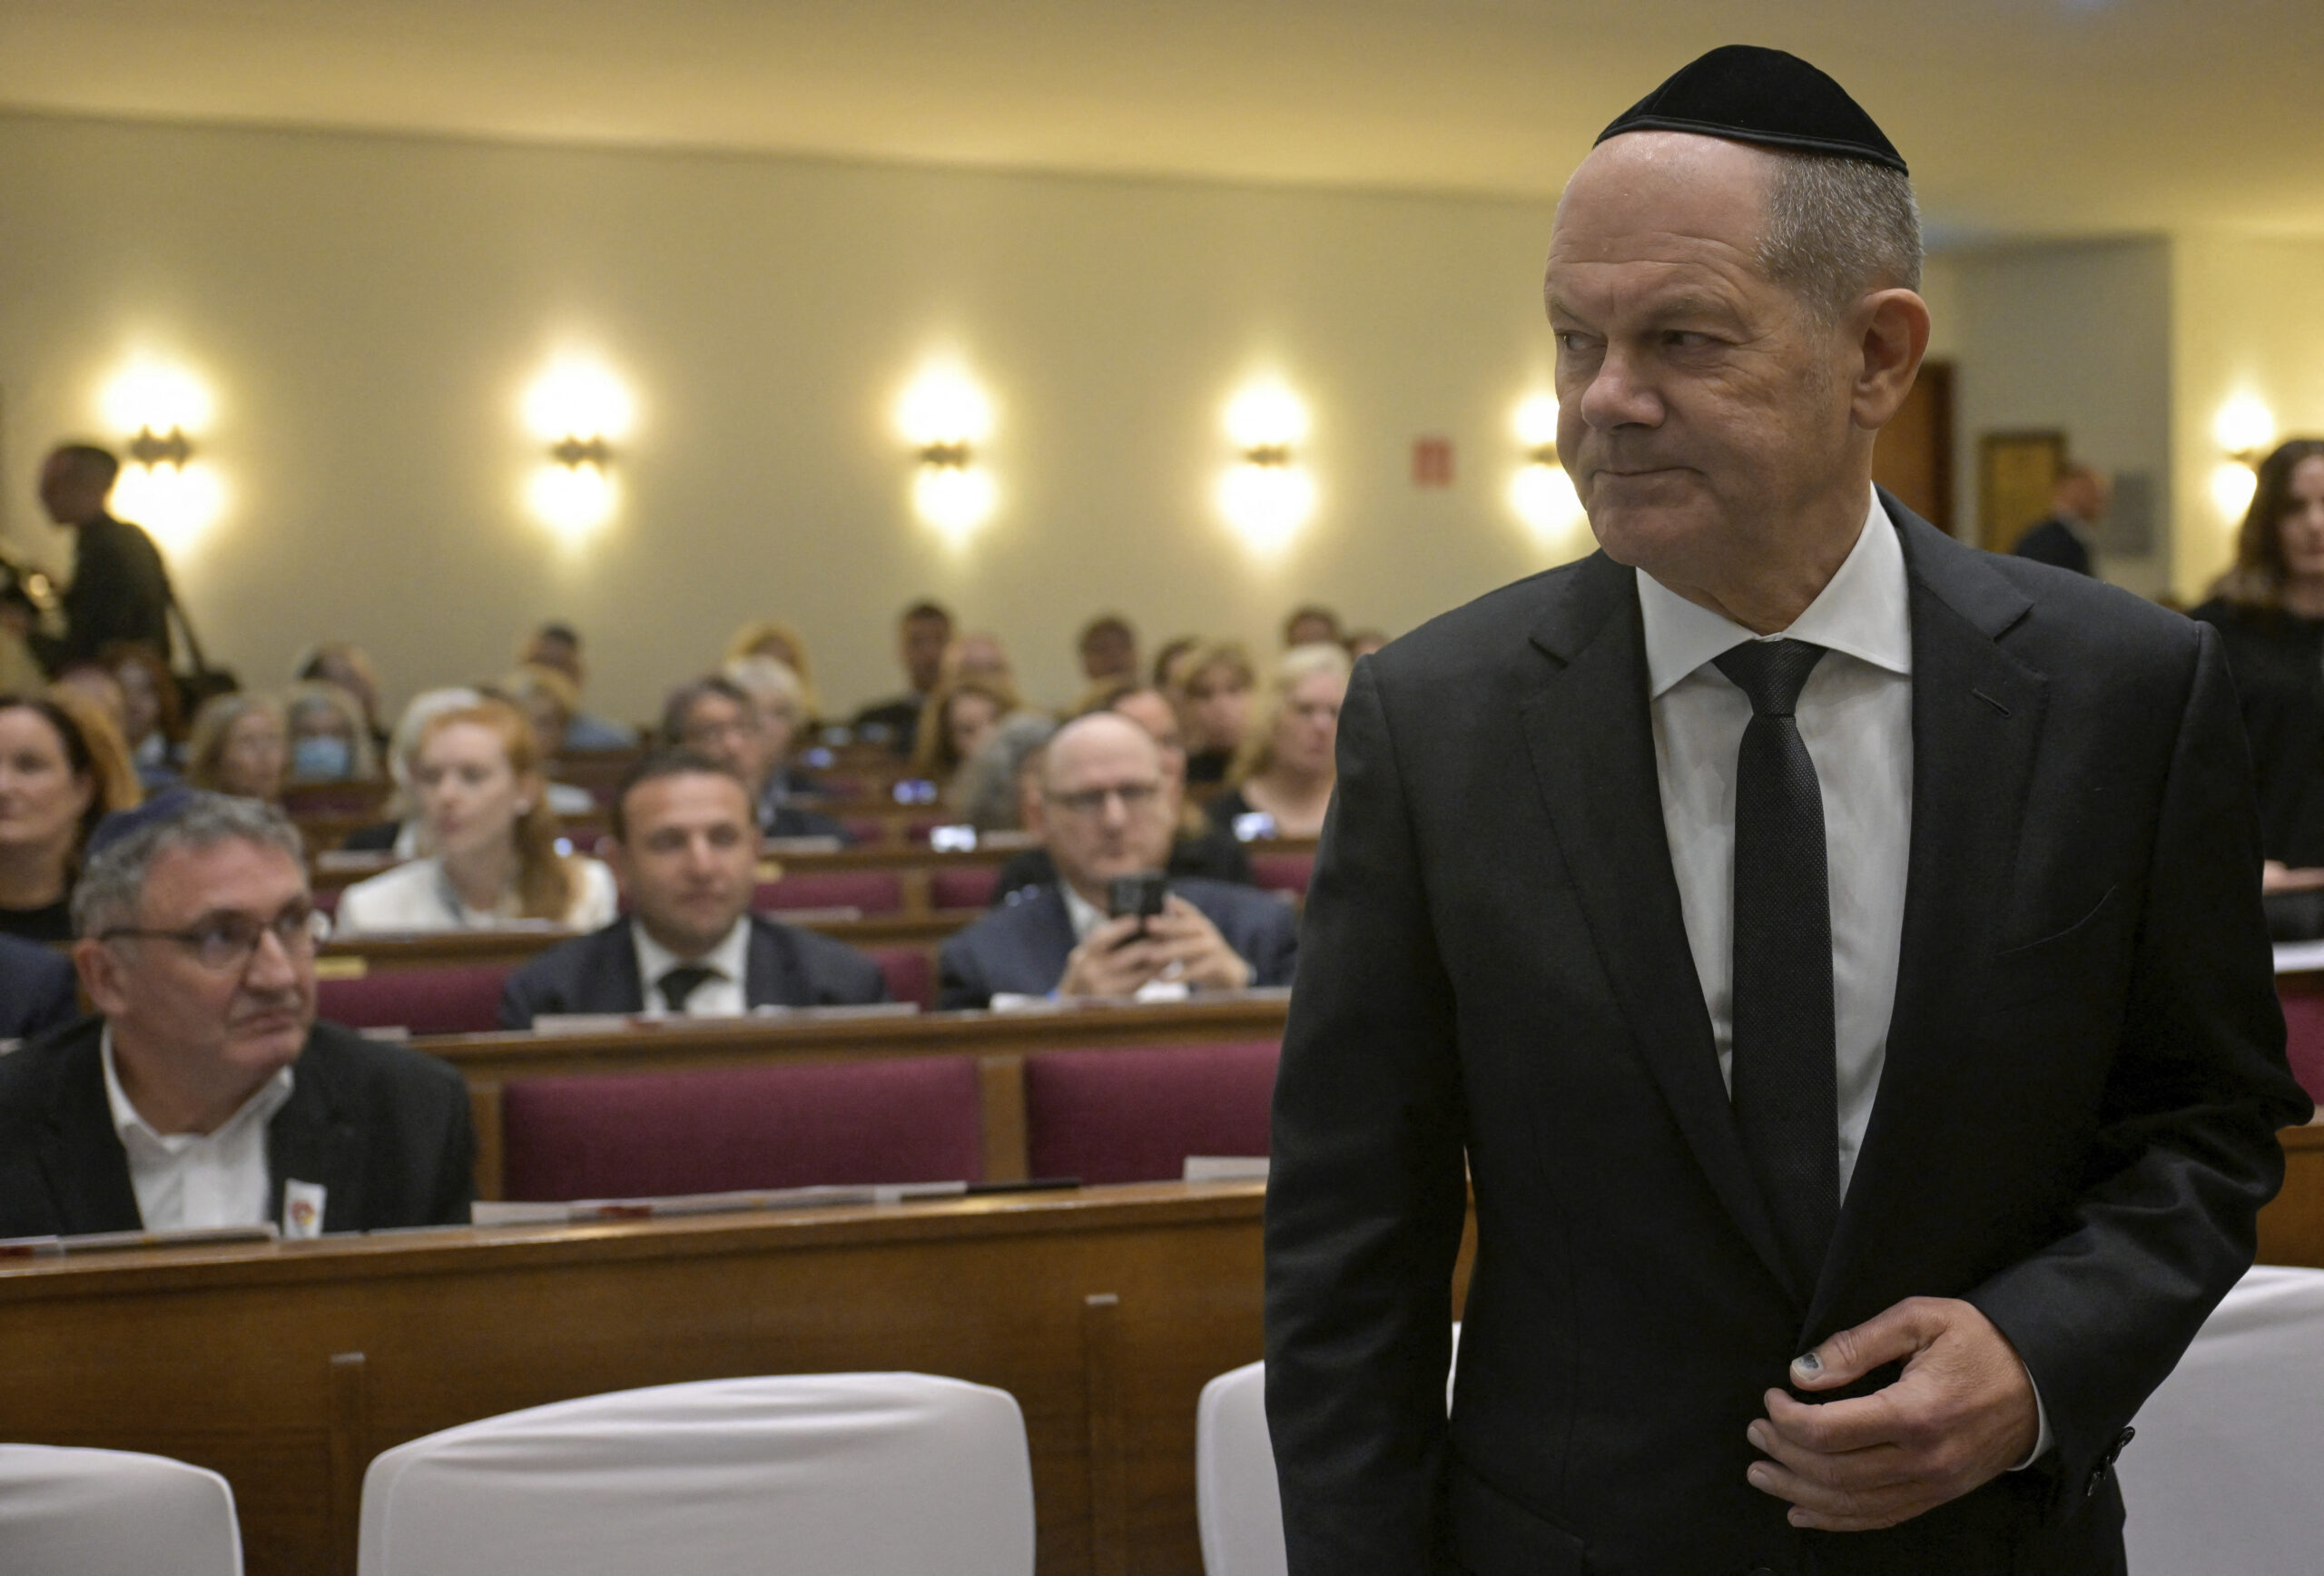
x,y
1135,797
227,941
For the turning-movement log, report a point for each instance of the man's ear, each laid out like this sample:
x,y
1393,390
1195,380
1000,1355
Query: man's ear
x,y
100,976
1891,336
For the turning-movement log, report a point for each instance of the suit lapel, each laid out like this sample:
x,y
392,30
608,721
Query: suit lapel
x,y
768,980
1591,740
81,1156
1977,715
312,1139
617,968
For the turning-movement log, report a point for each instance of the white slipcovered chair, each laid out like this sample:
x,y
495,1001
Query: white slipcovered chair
x,y
834,1474
112,1513
2223,1475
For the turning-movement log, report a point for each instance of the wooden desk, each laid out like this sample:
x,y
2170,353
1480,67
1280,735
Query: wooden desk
x,y
287,1368
2292,1228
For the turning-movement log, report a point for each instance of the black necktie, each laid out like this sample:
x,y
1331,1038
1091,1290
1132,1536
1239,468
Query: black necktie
x,y
1781,1074
679,983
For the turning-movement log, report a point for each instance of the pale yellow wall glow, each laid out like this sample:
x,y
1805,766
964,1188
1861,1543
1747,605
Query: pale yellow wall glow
x,y
575,397
2243,425
177,503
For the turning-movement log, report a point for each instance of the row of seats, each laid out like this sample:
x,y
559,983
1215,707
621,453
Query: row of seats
x,y
907,1474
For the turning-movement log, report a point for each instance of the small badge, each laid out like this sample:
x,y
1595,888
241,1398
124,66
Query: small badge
x,y
302,1208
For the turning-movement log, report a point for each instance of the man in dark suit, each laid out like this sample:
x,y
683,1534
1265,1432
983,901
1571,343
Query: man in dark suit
x,y
686,855
204,1093
1107,808
716,716
2077,502
119,591
36,992
922,632
1815,947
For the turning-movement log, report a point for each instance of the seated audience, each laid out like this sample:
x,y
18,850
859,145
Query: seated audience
x,y
94,683
959,718
1198,848
2270,612
1170,660
769,637
478,779
992,782
348,667
548,701
240,744
557,646
1109,649
922,632
38,992
1287,768
150,722
715,716
978,655
1106,809
63,768
775,690
329,740
1364,641
406,835
205,1094
1214,707
1311,625
686,852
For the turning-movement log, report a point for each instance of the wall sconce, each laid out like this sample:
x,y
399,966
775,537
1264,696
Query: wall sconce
x,y
2244,428
577,409
1540,492
1267,495
946,418
161,488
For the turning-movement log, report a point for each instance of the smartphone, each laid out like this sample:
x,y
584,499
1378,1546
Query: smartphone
x,y
1140,894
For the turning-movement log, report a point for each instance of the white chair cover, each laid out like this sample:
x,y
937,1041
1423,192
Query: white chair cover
x,y
112,1512
2223,1474
838,1475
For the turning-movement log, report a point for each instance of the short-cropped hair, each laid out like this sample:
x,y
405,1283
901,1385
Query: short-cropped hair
x,y
683,700
658,765
93,461
113,882
1838,229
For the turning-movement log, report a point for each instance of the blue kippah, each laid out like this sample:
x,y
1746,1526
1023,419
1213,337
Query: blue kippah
x,y
1748,94
167,805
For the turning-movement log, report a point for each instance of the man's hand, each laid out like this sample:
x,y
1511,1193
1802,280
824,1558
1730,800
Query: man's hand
x,y
1962,1414
2275,876
1179,944
1115,961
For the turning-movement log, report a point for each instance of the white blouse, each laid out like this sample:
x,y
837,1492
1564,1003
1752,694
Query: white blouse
x,y
418,896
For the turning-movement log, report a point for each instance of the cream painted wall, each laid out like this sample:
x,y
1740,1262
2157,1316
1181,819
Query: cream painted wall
x,y
369,310
2248,320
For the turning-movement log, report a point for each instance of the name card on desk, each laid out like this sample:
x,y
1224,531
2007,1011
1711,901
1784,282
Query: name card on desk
x,y
616,1022
495,1212
117,1241
2300,957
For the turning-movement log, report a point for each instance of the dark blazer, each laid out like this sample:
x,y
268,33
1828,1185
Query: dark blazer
x,y
2075,1123
384,1128
2056,542
119,592
2278,661
1022,949
597,972
37,988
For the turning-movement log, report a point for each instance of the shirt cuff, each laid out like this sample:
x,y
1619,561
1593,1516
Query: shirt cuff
x,y
2042,1440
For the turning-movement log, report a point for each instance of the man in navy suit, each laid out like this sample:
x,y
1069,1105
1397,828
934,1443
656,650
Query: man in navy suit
x,y
1106,809
36,992
686,850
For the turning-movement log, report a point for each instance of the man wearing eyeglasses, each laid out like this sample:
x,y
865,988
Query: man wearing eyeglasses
x,y
203,1093
1106,810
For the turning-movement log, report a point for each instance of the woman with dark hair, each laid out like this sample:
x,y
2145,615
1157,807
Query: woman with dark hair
x,y
2270,612
62,768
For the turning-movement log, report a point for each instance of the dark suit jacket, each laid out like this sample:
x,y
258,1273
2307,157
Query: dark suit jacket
x,y
37,988
1022,949
598,973
119,592
2056,543
2076,1122
384,1128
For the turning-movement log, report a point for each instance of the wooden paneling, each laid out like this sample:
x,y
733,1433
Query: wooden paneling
x,y
1913,455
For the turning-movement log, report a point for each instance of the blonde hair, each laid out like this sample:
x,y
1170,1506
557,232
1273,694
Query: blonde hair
x,y
932,755
751,636
772,685
1301,662
205,745
545,878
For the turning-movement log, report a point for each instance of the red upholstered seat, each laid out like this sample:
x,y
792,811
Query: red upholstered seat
x,y
717,1130
1135,1115
1283,872
962,886
910,973
875,891
449,1000
2304,1035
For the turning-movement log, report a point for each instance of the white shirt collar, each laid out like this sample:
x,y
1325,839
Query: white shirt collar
x,y
1863,611
137,1134
1086,915
731,958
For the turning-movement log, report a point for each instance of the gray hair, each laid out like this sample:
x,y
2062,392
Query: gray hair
x,y
989,779
1838,228
113,882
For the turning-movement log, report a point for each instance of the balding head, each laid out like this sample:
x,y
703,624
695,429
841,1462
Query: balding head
x,y
1107,806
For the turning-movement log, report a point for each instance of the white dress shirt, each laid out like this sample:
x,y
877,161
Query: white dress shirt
x,y
1856,718
418,896
720,996
184,1180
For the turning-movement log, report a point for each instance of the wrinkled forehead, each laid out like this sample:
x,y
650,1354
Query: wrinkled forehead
x,y
1101,751
1645,194
184,883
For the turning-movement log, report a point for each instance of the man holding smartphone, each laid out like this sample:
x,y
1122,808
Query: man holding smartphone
x,y
1111,925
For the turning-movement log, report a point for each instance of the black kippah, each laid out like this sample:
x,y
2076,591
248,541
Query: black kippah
x,y
1748,94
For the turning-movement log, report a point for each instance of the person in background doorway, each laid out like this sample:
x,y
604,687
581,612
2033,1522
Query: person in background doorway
x,y
2068,535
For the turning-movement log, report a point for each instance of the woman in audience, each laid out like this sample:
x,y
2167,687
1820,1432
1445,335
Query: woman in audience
x,y
240,745
549,702
960,716
476,774
151,720
349,667
2269,613
1214,707
769,637
1170,662
781,700
330,741
62,768
1281,782
405,834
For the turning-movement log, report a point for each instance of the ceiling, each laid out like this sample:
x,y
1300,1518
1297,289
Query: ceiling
x,y
2021,118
